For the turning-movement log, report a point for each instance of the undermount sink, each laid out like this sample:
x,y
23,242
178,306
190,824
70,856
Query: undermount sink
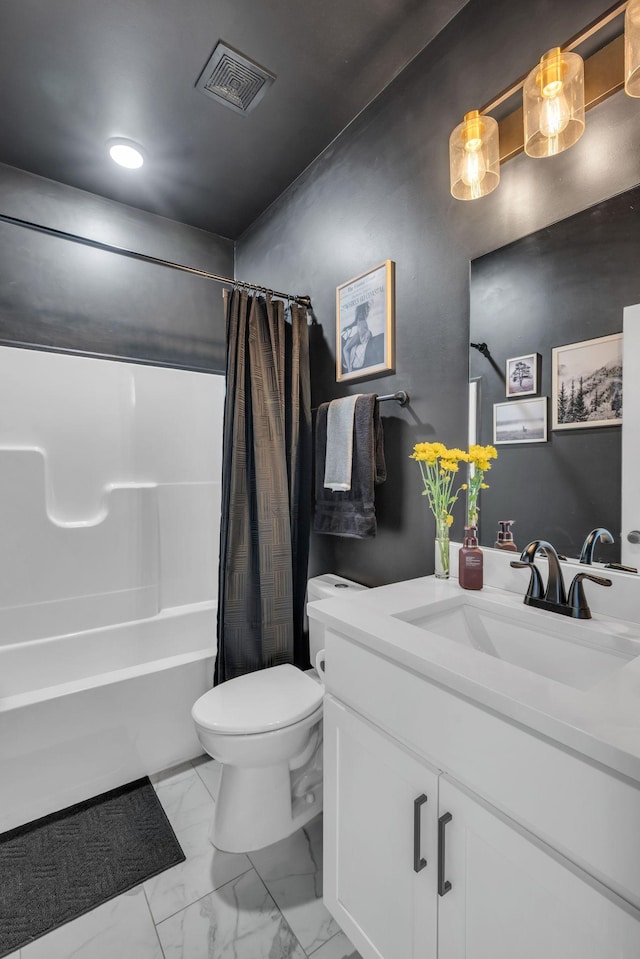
x,y
578,654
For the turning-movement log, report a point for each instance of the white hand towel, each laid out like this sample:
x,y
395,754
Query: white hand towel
x,y
339,454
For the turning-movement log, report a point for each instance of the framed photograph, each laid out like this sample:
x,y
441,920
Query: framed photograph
x,y
521,375
586,383
521,421
365,324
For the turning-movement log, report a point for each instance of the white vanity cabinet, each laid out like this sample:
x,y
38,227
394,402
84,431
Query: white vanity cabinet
x,y
379,839
516,887
512,898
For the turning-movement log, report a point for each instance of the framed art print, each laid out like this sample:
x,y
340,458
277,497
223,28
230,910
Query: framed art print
x,y
586,383
521,375
520,421
365,324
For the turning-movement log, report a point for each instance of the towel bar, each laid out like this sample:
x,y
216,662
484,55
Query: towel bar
x,y
400,396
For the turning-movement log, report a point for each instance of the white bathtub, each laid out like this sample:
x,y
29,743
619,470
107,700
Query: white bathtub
x,y
88,711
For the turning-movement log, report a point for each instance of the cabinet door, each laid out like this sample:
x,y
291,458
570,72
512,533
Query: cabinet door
x,y
371,826
511,897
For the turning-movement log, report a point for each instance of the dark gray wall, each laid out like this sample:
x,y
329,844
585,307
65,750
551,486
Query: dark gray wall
x,y
382,191
59,295
566,283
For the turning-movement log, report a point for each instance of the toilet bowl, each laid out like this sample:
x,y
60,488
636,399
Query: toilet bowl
x,y
265,728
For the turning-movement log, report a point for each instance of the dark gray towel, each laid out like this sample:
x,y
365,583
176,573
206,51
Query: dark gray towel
x,y
352,513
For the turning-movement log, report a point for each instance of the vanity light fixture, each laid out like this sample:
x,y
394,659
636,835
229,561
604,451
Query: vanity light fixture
x,y
126,153
556,94
553,104
474,157
632,49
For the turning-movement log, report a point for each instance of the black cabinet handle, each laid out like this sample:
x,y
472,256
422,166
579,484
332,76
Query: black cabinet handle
x,y
444,885
418,862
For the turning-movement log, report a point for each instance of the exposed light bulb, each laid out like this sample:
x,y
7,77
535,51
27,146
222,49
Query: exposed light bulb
x,y
474,158
553,104
554,115
474,169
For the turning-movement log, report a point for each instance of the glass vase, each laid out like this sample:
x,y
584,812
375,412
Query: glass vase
x,y
472,508
442,551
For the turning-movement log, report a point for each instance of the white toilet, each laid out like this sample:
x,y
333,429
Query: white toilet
x,y
265,729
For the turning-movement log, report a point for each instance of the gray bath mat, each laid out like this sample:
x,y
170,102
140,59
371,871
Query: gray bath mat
x,y
59,867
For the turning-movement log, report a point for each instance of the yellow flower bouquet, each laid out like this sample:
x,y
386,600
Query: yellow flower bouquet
x,y
478,458
438,467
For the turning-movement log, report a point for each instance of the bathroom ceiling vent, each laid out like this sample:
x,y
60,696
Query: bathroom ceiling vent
x,y
233,80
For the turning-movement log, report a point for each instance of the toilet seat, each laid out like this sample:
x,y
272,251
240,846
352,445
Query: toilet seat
x,y
259,702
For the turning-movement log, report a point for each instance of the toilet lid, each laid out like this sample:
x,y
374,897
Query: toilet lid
x,y
258,702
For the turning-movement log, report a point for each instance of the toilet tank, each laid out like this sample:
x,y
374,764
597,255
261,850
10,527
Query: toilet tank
x,y
328,586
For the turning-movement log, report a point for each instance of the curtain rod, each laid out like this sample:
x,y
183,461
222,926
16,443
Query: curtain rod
x,y
108,248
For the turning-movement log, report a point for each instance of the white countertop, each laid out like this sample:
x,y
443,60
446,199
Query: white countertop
x,y
601,723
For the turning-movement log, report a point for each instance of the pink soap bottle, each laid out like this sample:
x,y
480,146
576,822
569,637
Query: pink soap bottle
x,y
470,560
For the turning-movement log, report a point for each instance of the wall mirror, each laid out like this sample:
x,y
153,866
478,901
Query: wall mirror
x,y
566,284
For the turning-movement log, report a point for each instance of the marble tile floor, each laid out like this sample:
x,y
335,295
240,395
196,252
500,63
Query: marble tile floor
x,y
215,905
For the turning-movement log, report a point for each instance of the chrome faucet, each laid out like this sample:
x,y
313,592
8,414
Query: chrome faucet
x,y
554,597
586,556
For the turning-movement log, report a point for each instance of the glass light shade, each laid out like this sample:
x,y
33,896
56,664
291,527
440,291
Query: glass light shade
x,y
632,49
553,104
474,157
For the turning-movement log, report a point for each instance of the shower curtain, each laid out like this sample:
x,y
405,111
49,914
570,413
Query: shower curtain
x,y
266,488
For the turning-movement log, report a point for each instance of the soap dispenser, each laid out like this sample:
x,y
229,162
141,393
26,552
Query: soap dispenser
x,y
470,560
505,536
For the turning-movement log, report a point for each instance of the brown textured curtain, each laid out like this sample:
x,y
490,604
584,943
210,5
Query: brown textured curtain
x,y
266,488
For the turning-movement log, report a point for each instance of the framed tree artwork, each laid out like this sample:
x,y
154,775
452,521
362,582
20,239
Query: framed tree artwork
x,y
586,383
521,375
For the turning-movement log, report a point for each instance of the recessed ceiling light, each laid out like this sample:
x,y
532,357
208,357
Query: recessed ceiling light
x,y
126,153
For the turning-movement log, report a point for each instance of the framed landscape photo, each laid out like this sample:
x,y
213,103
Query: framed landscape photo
x,y
586,383
521,375
365,324
521,421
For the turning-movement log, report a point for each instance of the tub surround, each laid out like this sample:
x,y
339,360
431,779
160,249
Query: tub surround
x,y
108,572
